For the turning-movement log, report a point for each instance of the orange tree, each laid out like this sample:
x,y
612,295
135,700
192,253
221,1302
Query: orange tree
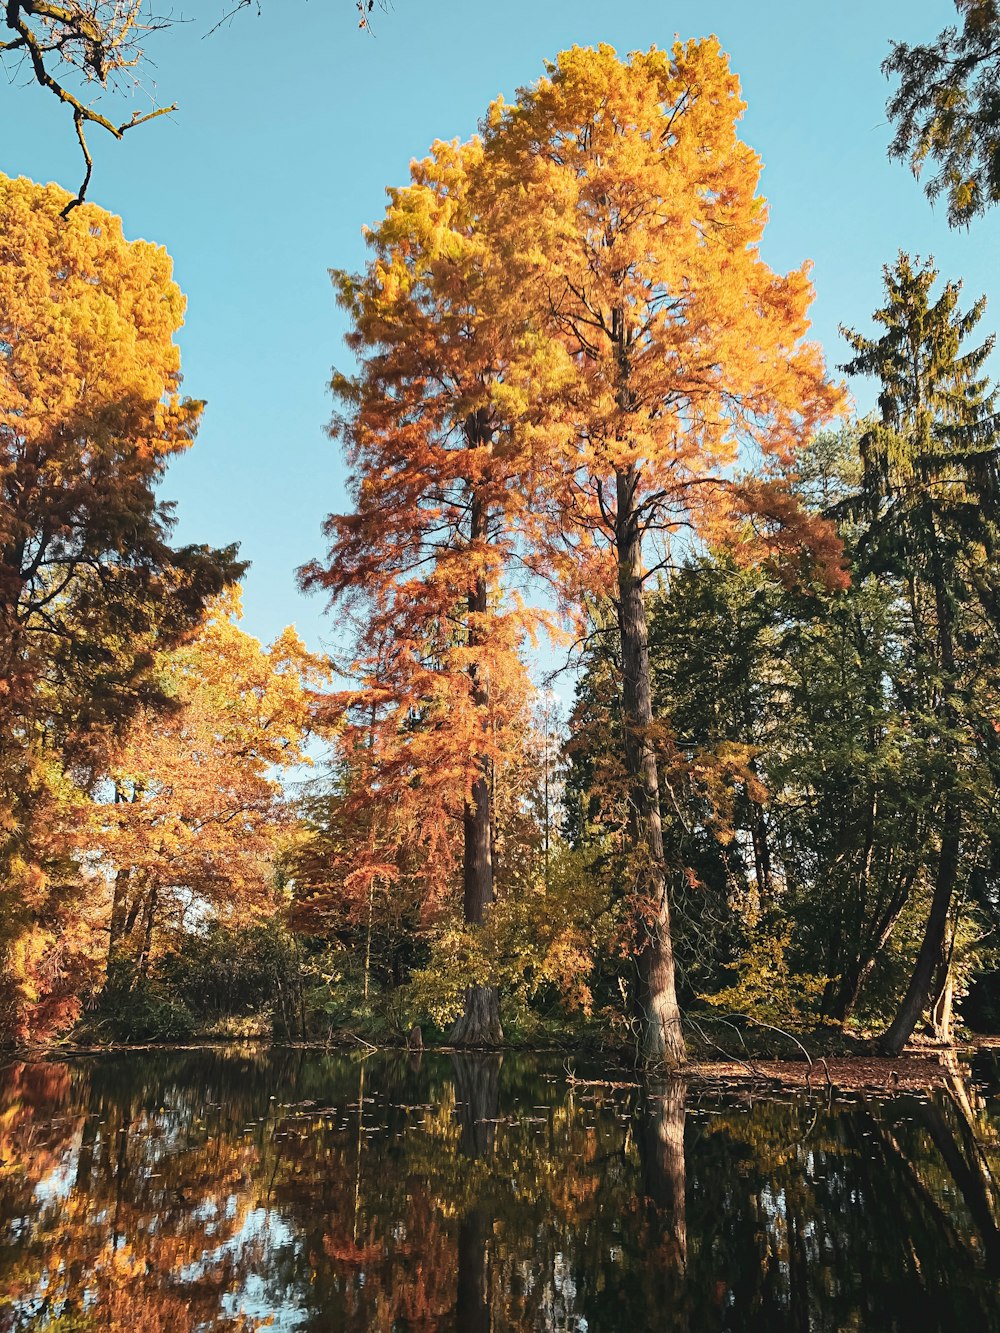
x,y
639,226
90,414
449,498
198,814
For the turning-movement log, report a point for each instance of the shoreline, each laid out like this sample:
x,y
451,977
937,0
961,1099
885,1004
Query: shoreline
x,y
918,1069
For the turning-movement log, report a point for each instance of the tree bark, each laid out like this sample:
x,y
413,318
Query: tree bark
x,y
942,1010
662,1037
147,936
479,1024
932,946
918,991
119,912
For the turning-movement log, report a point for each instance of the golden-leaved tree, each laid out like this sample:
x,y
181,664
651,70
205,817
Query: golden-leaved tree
x,y
197,815
570,346
90,413
629,215
450,497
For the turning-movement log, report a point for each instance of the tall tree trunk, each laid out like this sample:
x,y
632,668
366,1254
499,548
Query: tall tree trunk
x,y
761,847
932,946
662,1037
943,994
479,1025
942,1008
147,936
919,989
119,914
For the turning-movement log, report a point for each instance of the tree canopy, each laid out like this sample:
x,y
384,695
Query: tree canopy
x,y
946,110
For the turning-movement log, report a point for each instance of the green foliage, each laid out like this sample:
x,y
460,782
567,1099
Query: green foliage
x,y
539,946
946,110
215,981
767,987
806,735
144,1011
231,972
336,1002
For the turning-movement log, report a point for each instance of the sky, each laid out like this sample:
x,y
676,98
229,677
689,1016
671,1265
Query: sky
x,y
289,129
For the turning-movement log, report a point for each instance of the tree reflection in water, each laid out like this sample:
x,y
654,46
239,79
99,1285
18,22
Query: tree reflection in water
x,y
221,1189
664,1178
477,1088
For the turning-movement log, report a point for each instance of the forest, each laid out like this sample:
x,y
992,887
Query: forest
x,y
662,701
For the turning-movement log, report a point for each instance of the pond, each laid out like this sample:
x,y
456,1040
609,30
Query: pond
x,y
241,1188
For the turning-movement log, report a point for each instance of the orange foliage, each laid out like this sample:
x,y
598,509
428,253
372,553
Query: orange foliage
x,y
198,815
640,226
449,497
90,413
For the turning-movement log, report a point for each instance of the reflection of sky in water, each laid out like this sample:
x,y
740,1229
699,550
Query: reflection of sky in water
x,y
263,1232
60,1182
257,1300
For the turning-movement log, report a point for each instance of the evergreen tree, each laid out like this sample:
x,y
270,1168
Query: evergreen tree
x,y
930,503
947,108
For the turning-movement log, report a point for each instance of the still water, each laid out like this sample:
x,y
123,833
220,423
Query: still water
x,y
235,1189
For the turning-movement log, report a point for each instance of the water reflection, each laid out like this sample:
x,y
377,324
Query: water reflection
x,y
228,1188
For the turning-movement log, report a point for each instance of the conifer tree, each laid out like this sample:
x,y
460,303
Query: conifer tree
x,y
930,500
946,110
635,205
436,426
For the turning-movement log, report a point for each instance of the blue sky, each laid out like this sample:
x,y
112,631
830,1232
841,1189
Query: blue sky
x,y
291,126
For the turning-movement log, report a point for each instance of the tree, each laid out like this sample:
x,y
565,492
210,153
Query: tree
x,y
90,414
930,496
642,263
69,46
196,816
448,501
947,109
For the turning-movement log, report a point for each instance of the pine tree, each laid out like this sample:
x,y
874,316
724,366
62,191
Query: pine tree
x,y
930,500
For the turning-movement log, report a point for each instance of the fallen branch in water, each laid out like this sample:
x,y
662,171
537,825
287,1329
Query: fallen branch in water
x,y
575,1082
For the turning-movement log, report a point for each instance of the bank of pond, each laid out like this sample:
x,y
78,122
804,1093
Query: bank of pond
x,y
249,1186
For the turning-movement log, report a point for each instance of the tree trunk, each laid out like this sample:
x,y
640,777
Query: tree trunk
x,y
932,948
119,912
147,935
861,968
942,1009
479,1025
918,991
761,850
662,1037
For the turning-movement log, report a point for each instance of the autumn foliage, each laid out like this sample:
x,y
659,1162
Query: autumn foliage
x,y
582,413
91,590
569,341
